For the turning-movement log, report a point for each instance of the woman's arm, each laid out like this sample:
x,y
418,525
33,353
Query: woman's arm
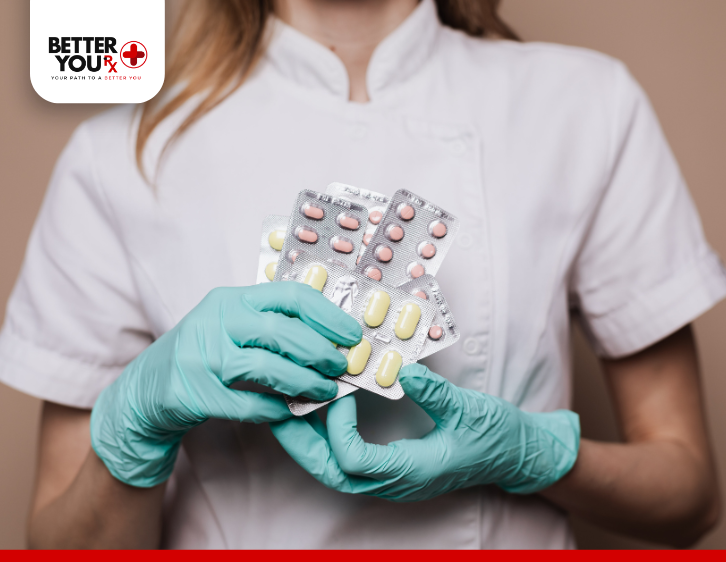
x,y
77,503
659,484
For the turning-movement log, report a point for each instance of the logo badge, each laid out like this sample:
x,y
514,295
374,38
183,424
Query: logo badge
x,y
87,51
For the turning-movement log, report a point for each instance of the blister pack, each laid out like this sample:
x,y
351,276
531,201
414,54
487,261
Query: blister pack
x,y
411,240
395,323
329,227
376,204
443,331
271,242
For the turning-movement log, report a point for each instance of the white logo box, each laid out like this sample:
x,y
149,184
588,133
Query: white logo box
x,y
72,44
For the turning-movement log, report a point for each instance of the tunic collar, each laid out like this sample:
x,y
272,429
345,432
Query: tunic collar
x,y
399,56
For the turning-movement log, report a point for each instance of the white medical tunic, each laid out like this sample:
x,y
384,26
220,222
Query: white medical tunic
x,y
569,199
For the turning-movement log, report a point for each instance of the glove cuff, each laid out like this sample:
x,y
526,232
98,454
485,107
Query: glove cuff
x,y
141,460
550,452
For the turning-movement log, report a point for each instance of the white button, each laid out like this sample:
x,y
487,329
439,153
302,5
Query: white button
x,y
457,146
358,131
471,346
464,240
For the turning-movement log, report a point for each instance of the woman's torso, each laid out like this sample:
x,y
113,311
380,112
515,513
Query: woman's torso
x,y
509,138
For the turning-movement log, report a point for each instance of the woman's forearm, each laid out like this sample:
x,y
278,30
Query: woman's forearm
x,y
99,512
654,490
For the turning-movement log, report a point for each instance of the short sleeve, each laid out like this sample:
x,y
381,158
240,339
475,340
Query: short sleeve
x,y
644,269
73,320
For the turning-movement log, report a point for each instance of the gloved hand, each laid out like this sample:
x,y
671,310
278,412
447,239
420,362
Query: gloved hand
x,y
478,439
274,334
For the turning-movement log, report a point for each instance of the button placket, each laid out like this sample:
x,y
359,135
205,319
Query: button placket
x,y
473,239
471,346
464,239
459,147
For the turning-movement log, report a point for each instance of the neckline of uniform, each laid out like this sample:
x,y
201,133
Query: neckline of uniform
x,y
397,58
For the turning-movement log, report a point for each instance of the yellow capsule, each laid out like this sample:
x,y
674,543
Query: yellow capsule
x,y
276,239
316,277
270,270
377,309
388,369
358,357
407,321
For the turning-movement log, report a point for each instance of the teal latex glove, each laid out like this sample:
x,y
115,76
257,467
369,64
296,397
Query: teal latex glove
x,y
478,439
278,335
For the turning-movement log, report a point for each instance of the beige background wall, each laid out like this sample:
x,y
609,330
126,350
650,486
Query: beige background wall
x,y
676,48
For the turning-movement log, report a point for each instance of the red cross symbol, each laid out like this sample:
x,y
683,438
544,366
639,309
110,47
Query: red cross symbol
x,y
134,54
131,57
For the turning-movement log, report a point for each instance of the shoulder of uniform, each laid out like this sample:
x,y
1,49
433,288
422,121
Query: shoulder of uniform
x,y
530,58
116,122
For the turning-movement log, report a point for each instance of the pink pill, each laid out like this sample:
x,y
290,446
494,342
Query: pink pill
x,y
427,251
384,254
292,256
406,212
435,332
437,229
394,233
351,223
357,260
312,212
416,270
374,273
342,245
367,239
421,295
305,234
375,217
